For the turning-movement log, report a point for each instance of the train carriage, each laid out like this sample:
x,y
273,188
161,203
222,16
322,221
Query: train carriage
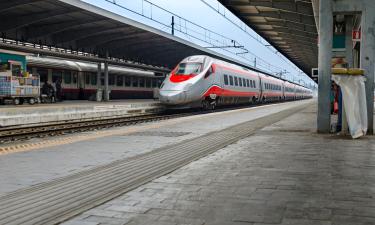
x,y
272,89
79,79
202,81
289,91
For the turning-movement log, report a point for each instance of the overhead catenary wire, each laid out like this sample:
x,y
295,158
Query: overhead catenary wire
x,y
257,38
200,36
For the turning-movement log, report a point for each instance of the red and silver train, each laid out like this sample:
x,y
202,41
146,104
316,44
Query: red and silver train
x,y
79,79
202,81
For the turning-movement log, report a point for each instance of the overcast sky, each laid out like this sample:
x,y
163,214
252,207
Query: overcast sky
x,y
197,12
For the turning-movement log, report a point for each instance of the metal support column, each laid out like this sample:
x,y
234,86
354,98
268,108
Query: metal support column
x,y
99,92
98,76
367,58
325,57
106,77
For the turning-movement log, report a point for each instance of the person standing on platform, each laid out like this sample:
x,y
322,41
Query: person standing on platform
x,y
58,90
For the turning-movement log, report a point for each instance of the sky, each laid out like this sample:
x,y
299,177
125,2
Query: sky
x,y
198,23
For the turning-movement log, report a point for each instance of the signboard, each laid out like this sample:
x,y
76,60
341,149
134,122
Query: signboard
x,y
356,35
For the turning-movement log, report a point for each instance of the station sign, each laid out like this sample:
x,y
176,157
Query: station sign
x,y
356,35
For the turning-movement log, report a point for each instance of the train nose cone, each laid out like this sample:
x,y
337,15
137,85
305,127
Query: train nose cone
x,y
172,97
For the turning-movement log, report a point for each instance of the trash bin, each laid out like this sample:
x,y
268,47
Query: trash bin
x,y
352,83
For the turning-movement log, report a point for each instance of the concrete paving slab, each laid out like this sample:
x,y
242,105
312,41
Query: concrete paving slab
x,y
78,152
283,174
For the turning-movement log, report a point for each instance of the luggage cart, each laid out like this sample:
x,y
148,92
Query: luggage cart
x,y
18,90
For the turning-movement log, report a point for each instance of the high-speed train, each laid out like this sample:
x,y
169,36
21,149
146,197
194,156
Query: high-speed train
x,y
203,81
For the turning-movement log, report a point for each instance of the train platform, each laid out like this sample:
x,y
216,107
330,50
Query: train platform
x,y
41,114
260,166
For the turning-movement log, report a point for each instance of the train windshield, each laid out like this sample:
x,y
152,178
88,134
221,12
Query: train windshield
x,y
189,68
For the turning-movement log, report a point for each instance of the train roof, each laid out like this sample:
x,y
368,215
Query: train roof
x,y
83,66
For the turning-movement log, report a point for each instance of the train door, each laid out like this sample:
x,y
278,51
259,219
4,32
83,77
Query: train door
x,y
261,88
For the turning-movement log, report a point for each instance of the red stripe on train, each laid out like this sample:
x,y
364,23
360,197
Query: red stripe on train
x,y
225,92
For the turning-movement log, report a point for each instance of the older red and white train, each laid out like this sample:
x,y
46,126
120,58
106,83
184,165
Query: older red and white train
x,y
202,81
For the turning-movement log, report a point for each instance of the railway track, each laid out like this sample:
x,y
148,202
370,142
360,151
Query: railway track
x,y
14,134
22,133
58,200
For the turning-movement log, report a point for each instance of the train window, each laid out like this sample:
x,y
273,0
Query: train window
x,y
248,83
225,79
128,81
240,81
94,79
230,80
148,82
244,82
111,79
209,72
56,75
189,68
134,81
43,74
74,77
87,78
119,80
67,77
235,81
154,83
141,82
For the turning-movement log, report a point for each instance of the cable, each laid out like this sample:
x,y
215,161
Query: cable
x,y
216,43
252,36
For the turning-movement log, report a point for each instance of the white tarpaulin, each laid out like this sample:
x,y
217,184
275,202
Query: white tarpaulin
x,y
354,102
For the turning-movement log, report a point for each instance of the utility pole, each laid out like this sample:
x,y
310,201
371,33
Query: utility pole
x,y
172,24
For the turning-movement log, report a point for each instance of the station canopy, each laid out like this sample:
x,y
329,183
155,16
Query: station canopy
x,y
289,25
74,24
